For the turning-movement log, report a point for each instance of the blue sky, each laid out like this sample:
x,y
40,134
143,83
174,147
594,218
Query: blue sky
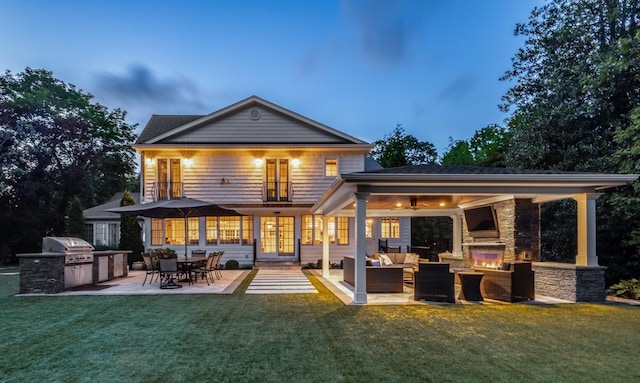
x,y
358,66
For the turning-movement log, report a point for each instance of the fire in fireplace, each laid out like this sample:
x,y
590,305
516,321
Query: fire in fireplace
x,y
489,259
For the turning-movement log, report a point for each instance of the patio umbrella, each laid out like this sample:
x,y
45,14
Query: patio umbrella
x,y
176,208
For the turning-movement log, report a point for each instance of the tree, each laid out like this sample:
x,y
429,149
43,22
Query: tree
x,y
75,225
488,147
577,81
400,149
55,144
130,231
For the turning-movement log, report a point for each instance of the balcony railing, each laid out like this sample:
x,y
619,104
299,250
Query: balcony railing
x,y
277,192
167,190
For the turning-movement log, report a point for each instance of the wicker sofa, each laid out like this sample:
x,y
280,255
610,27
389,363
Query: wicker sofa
x,y
513,285
400,259
380,279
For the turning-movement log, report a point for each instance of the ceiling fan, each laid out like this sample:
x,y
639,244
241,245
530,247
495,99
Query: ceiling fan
x,y
414,204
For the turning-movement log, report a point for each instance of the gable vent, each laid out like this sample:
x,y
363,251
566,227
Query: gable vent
x,y
254,114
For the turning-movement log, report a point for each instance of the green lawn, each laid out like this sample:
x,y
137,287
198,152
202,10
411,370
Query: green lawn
x,y
309,338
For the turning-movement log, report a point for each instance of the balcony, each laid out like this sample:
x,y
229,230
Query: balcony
x,y
167,190
277,192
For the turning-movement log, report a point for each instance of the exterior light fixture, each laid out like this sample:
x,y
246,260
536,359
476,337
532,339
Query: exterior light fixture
x,y
187,161
295,162
149,161
258,161
442,204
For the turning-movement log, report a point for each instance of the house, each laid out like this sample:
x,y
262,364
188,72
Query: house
x,y
309,192
102,228
269,164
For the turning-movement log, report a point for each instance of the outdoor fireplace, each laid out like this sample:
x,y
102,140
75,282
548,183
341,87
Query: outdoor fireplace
x,y
487,259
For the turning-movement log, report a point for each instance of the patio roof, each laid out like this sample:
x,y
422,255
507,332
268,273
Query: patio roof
x,y
429,190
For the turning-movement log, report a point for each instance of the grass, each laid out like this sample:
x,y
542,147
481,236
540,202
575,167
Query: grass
x,y
309,338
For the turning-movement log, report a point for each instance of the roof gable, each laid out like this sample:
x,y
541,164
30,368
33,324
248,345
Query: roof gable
x,y
250,121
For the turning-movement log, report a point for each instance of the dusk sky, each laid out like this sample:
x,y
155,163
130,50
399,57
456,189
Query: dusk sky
x,y
357,66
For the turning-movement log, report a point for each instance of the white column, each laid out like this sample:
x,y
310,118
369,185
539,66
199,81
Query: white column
x,y
457,236
325,246
587,229
360,288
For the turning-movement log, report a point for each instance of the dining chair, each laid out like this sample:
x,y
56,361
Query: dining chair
x,y
150,269
205,271
168,272
218,268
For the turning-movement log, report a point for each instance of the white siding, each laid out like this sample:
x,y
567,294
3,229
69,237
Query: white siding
x,y
270,128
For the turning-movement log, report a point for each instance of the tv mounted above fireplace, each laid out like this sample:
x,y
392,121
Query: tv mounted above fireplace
x,y
482,222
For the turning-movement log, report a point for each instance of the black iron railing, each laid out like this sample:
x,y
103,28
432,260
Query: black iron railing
x,y
167,190
277,192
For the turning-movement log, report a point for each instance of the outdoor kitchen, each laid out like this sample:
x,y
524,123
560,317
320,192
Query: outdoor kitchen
x,y
66,263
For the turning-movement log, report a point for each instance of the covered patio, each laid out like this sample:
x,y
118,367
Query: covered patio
x,y
433,190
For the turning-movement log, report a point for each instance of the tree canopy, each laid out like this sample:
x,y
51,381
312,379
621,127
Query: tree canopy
x,y
55,144
488,147
401,149
574,100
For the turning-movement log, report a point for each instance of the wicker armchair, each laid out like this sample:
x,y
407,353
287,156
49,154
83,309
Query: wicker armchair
x,y
434,282
513,285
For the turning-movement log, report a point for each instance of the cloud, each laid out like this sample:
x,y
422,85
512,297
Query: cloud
x,y
141,93
384,30
456,89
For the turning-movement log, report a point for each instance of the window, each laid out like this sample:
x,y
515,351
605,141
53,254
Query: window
x,y
174,231
277,176
211,225
311,229
194,231
368,228
229,230
330,167
339,228
101,234
88,232
247,230
156,232
343,230
307,230
114,235
390,227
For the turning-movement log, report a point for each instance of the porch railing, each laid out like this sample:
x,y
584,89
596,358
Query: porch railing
x,y
167,190
277,192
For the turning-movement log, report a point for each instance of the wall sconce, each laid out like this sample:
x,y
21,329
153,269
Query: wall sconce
x,y
258,161
149,161
187,161
295,162
224,181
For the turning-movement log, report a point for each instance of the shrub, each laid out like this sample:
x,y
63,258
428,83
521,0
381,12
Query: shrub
x,y
626,289
232,264
163,253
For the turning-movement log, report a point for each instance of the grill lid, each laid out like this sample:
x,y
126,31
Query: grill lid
x,y
65,245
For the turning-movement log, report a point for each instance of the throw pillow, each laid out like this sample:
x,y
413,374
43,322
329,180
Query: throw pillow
x,y
375,262
412,258
384,260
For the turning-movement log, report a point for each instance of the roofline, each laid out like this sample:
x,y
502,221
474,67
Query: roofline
x,y
245,102
235,146
610,180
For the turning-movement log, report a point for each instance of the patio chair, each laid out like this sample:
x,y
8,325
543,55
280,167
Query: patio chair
x,y
434,282
168,273
150,269
217,268
206,271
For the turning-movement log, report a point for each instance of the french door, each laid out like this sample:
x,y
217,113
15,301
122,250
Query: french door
x,y
277,236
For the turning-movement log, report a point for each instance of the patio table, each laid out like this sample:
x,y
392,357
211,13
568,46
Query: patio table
x,y
188,264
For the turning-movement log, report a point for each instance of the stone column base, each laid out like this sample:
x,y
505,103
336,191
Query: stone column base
x,y
570,282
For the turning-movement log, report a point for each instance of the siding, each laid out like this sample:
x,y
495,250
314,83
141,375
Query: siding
x,y
272,127
203,178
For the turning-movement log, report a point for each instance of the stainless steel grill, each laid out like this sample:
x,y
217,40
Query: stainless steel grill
x,y
76,250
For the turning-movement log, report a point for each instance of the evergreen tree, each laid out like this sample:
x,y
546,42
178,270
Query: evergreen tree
x,y
130,231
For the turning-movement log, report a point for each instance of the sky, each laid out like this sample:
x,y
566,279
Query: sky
x,y
359,66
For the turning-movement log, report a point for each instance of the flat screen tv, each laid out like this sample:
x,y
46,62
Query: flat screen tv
x,y
482,222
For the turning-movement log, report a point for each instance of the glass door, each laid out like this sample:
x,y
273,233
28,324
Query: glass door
x,y
277,236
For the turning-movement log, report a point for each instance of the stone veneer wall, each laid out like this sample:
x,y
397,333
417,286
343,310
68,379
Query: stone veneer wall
x,y
519,226
570,282
41,275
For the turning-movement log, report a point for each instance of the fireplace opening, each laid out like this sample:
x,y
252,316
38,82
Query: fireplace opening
x,y
488,259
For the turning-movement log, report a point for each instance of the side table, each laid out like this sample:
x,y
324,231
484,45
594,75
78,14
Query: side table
x,y
470,286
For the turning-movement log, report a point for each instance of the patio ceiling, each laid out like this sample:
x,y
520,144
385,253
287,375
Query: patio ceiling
x,y
435,190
